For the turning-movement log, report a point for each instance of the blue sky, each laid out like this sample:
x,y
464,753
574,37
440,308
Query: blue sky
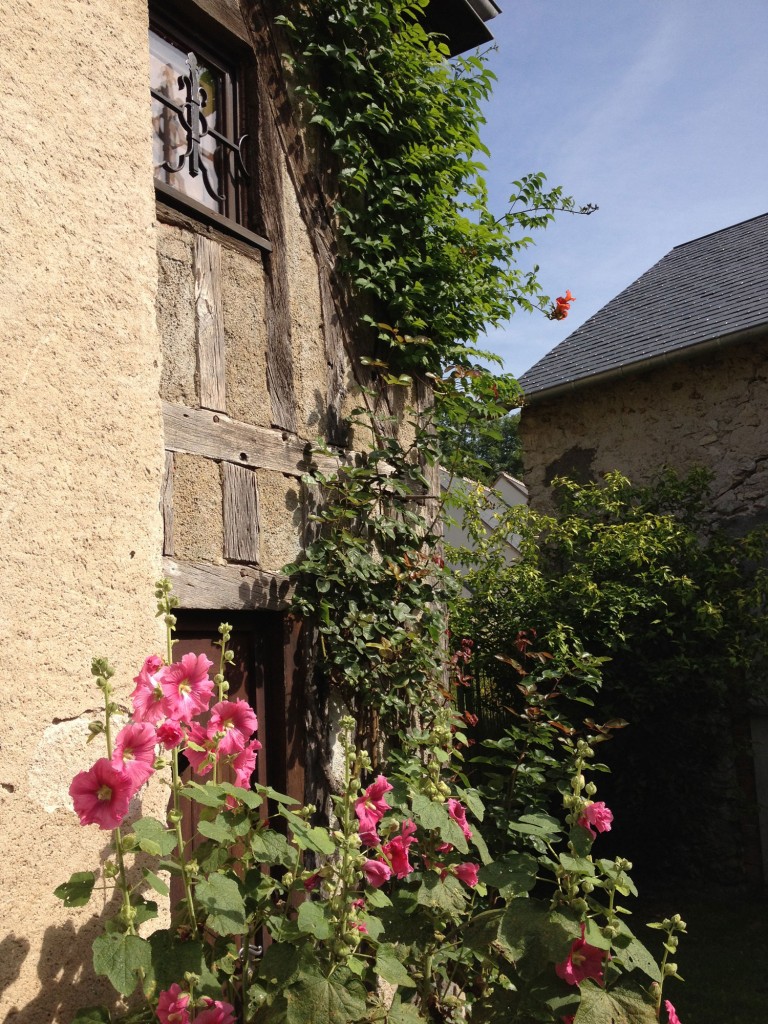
x,y
655,110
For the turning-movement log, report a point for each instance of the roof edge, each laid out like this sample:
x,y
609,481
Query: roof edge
x,y
641,365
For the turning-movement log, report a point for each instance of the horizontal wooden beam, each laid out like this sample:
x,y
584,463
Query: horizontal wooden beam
x,y
227,587
214,436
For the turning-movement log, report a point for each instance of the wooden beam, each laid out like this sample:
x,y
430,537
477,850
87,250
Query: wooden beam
x,y
232,587
215,436
166,504
209,320
241,513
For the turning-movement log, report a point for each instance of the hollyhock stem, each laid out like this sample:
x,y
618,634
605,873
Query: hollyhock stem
x,y
176,818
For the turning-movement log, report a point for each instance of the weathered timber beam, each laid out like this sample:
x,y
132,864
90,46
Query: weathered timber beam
x,y
214,436
227,587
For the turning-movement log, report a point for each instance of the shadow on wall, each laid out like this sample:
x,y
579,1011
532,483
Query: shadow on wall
x,y
65,970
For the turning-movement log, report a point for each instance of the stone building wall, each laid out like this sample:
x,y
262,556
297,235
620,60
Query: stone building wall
x,y
703,411
124,455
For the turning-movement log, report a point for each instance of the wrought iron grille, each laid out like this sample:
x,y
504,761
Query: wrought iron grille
x,y
193,151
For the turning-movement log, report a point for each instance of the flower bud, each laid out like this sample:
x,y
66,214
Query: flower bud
x,y
590,789
580,905
610,931
587,885
670,970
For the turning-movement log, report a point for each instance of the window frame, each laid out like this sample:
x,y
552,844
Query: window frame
x,y
230,57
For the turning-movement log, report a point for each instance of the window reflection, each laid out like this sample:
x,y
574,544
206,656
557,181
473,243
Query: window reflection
x,y
170,138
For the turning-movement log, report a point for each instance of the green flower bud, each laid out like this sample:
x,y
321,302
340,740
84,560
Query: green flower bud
x,y
590,789
670,970
588,885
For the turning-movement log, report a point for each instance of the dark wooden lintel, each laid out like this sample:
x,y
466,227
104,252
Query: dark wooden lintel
x,y
227,587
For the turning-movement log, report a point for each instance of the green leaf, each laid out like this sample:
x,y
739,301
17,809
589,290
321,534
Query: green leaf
x,y
377,898
313,999
272,847
625,1003
309,837
77,891
404,1013
245,796
514,873
390,968
430,813
150,831
156,882
208,794
529,929
312,919
221,898
92,1015
631,951
579,865
217,830
474,804
438,894
120,956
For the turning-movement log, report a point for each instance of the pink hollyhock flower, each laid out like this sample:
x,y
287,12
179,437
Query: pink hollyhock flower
x,y
101,795
170,733
134,752
396,850
358,904
201,760
186,686
149,703
376,872
583,961
216,1012
596,818
172,1006
467,873
362,927
673,1018
312,882
459,815
236,720
371,807
245,763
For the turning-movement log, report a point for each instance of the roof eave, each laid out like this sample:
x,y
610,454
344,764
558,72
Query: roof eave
x,y
644,365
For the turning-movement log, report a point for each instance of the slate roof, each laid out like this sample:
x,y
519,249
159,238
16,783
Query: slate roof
x,y
709,288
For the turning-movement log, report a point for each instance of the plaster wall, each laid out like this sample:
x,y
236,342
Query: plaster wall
x,y
81,455
699,412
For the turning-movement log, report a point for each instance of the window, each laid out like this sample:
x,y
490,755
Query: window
x,y
200,148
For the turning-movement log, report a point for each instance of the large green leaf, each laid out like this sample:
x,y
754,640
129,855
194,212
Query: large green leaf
x,y
92,1015
309,837
77,891
441,894
514,873
218,830
221,898
150,831
272,847
120,957
313,920
314,999
529,929
173,957
622,1004
404,1013
390,968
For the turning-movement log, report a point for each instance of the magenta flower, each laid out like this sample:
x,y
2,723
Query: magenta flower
x,y
172,1006
134,752
245,764
583,961
101,795
673,1018
596,818
376,873
216,1012
313,882
370,808
186,687
170,733
396,850
201,760
459,815
149,703
236,720
467,873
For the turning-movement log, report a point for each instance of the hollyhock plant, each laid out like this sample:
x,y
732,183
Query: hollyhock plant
x,y
187,687
371,807
236,720
396,850
376,872
172,1006
596,817
245,764
101,795
202,760
467,873
148,699
459,815
583,961
672,1013
170,733
134,752
217,1012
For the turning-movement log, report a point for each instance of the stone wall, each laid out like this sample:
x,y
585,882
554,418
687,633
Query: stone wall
x,y
82,455
702,411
